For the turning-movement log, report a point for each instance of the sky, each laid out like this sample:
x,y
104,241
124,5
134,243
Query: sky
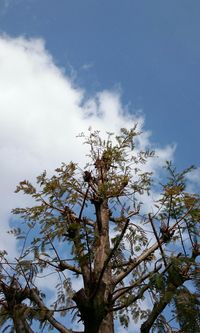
x,y
69,64
148,49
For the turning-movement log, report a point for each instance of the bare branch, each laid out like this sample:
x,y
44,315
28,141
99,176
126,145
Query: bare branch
x,y
125,263
119,292
123,218
131,299
158,240
62,266
50,205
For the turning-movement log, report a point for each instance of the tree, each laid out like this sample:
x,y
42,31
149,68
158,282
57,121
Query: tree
x,y
93,225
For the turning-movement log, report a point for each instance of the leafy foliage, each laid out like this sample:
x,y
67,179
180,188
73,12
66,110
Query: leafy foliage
x,y
91,224
187,310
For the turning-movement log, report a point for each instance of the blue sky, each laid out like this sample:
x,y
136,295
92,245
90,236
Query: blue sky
x,y
150,49
68,64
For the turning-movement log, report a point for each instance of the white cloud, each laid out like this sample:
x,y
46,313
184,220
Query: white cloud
x,y
193,179
41,112
87,66
6,5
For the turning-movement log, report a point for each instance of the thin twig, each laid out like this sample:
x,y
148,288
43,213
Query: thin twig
x,y
158,240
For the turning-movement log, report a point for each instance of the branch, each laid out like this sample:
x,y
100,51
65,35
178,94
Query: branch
x,y
62,266
85,228
14,295
24,275
182,243
174,283
89,222
50,205
121,291
79,246
65,309
88,248
121,218
133,299
83,204
158,308
56,252
119,265
158,240
169,213
147,252
48,313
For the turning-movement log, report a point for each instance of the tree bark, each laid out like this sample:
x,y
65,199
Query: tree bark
x,y
160,306
21,325
107,325
102,252
94,300
102,269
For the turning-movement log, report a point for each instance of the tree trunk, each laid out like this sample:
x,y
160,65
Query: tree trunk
x,y
103,248
102,252
107,325
94,312
21,325
94,300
